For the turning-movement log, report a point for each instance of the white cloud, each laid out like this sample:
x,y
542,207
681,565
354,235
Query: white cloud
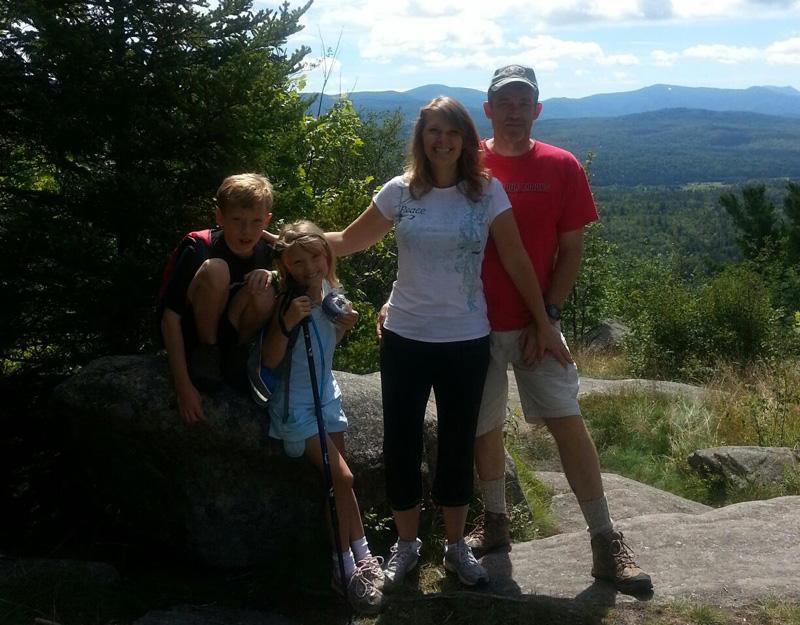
x,y
662,58
728,55
784,52
692,9
618,59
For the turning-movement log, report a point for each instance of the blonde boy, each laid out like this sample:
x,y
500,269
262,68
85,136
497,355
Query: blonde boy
x,y
219,295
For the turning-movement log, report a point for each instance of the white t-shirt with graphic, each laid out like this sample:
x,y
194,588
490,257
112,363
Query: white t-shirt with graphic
x,y
438,294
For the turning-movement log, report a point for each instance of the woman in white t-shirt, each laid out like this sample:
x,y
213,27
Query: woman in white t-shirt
x,y
436,332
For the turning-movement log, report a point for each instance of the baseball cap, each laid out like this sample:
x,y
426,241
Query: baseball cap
x,y
514,73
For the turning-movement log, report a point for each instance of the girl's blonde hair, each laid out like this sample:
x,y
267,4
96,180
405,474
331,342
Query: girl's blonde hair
x,y
306,235
471,172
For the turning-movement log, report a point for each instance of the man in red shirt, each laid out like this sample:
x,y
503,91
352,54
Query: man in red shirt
x,y
552,203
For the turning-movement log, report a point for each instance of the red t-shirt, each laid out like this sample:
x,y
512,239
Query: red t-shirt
x,y
549,195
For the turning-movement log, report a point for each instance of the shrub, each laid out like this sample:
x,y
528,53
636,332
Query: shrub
x,y
737,320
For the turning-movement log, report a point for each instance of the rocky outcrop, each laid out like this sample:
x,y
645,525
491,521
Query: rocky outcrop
x,y
741,466
732,556
626,499
217,490
606,336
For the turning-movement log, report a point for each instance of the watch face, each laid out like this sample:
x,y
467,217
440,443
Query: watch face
x,y
553,311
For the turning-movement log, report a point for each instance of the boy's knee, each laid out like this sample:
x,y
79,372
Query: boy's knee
x,y
213,273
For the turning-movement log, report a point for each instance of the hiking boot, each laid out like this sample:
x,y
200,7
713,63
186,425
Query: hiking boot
x,y
613,562
402,561
203,364
491,532
363,591
460,560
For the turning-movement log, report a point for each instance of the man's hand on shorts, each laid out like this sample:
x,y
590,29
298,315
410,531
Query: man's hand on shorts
x,y
535,342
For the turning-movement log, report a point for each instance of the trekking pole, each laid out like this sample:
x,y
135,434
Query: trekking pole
x,y
323,444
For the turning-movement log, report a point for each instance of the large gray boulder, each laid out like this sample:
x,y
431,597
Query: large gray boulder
x,y
733,556
606,336
740,466
217,491
626,499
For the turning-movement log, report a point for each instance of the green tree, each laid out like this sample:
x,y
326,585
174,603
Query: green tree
x,y
791,208
118,119
343,155
589,301
759,226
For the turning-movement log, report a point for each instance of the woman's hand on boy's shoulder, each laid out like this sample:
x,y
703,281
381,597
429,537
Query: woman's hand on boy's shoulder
x,y
270,238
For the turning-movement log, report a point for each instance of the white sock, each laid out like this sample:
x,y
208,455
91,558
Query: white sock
x,y
349,564
494,495
597,517
403,545
360,548
449,546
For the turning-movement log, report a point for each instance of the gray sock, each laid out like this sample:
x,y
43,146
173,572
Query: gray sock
x,y
494,495
596,514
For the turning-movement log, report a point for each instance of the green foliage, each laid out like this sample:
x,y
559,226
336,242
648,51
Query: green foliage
x,y
683,222
123,119
591,297
770,240
685,327
736,317
343,154
759,230
759,405
662,313
648,437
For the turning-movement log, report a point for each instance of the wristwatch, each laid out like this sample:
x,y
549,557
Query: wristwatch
x,y
553,311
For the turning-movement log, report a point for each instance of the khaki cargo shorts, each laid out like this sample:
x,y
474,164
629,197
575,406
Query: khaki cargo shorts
x,y
546,390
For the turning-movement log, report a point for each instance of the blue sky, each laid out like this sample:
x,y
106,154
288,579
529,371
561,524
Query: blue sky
x,y
578,47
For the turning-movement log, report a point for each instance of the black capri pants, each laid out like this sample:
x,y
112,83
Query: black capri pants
x,y
409,369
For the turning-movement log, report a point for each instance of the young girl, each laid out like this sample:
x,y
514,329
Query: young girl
x,y
307,269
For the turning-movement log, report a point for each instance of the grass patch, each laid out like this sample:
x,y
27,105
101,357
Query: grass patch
x,y
539,497
607,365
648,437
759,405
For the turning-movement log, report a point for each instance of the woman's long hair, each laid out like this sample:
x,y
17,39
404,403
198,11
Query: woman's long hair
x,y
472,175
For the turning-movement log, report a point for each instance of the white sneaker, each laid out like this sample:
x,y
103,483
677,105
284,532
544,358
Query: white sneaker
x,y
460,560
364,591
402,561
371,567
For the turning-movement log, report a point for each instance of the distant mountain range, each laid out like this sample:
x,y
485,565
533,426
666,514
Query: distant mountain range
x,y
659,135
781,101
680,146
